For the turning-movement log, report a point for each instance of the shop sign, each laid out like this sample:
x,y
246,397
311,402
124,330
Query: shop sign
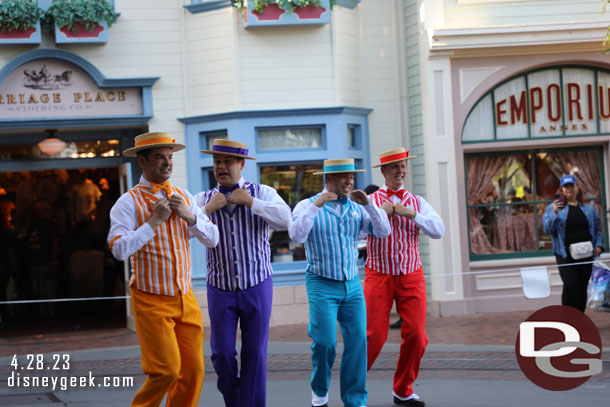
x,y
548,103
53,88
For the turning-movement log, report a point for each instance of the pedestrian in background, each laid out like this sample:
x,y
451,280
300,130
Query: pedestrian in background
x,y
572,226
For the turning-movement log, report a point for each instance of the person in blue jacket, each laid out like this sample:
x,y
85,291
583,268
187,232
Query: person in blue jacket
x,y
569,221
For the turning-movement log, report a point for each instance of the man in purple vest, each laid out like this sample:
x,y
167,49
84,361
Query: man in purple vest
x,y
239,273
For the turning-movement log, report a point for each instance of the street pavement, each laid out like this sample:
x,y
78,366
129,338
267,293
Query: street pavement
x,y
470,362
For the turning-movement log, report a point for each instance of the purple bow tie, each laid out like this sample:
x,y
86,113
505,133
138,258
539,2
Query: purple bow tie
x,y
226,190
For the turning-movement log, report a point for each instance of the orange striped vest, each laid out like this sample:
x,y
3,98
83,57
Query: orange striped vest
x,y
163,265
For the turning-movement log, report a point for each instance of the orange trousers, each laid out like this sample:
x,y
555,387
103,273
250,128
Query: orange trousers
x,y
409,291
170,331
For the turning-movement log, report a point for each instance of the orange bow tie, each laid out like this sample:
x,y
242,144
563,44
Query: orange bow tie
x,y
166,186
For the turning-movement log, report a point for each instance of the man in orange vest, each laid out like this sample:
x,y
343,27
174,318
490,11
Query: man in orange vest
x,y
152,224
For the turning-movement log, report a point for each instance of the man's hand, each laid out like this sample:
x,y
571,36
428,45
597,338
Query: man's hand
x,y
388,207
359,197
177,204
241,196
400,210
218,201
323,198
161,212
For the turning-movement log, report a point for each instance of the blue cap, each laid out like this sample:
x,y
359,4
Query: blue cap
x,y
568,179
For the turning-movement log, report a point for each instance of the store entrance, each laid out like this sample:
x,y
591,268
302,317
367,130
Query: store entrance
x,y
53,245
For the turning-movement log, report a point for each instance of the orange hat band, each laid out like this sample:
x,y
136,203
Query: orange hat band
x,y
394,157
154,140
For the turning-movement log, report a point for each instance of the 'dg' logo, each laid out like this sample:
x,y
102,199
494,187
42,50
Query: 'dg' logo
x,y
559,348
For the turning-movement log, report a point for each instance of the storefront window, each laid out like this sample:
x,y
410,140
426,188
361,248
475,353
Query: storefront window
x,y
74,149
508,194
293,183
281,139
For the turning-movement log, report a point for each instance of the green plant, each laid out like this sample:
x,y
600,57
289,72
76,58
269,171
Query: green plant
x,y
67,13
19,14
288,5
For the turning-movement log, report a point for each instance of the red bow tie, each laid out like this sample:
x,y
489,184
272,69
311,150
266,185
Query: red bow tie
x,y
165,186
400,193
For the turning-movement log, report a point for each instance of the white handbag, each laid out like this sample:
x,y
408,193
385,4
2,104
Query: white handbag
x,y
581,250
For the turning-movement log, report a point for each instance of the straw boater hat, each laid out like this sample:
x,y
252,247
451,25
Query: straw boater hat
x,y
229,147
339,165
153,140
392,156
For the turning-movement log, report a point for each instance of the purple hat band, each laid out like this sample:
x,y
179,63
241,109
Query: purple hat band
x,y
232,150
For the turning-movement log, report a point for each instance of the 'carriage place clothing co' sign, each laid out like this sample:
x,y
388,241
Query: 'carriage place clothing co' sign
x,y
53,88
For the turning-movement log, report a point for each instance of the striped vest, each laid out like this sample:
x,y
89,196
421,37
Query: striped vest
x,y
332,245
242,258
399,252
163,265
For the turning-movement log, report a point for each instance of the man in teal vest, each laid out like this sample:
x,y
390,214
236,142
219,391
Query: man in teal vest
x,y
330,225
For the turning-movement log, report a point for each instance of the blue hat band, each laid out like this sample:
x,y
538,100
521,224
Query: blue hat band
x,y
340,168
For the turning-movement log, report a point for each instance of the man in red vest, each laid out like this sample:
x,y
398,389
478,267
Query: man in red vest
x,y
394,273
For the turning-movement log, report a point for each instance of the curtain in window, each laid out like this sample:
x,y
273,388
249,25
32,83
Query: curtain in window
x,y
481,172
584,165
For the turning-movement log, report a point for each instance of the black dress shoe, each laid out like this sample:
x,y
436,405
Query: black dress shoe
x,y
410,402
397,324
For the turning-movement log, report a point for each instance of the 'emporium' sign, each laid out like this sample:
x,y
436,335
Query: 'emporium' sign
x,y
549,103
49,88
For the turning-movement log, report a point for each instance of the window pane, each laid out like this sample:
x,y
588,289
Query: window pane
x,y
502,229
511,110
290,138
480,125
498,179
210,137
584,165
73,149
544,240
293,183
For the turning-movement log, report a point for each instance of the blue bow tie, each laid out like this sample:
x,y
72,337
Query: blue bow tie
x,y
226,190
341,201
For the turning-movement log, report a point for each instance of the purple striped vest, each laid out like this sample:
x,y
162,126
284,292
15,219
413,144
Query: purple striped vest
x,y
242,258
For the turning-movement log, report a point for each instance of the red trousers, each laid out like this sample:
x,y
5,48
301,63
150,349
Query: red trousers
x,y
409,291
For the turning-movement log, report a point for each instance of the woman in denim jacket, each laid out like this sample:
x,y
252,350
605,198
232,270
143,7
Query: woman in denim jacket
x,y
568,221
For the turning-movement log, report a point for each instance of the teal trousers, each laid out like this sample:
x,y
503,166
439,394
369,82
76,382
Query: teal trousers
x,y
332,301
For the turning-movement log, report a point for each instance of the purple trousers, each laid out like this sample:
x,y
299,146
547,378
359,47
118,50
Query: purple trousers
x,y
252,308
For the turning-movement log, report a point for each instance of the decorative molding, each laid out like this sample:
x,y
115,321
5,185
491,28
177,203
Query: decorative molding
x,y
443,40
470,78
198,6
244,114
350,4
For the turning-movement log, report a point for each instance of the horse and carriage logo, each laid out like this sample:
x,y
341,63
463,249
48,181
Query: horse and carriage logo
x,y
43,79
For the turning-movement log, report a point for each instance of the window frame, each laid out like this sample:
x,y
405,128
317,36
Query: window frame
x,y
535,202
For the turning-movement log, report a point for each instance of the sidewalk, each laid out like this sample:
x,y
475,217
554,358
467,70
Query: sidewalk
x,y
470,362
483,329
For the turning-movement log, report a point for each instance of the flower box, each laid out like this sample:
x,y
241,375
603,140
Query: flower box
x,y
272,15
29,36
99,35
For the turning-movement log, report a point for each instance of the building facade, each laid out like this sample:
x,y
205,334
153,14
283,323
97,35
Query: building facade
x,y
516,95
296,92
